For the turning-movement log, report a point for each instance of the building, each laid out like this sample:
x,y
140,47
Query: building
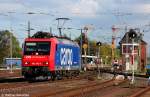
x,y
16,62
133,51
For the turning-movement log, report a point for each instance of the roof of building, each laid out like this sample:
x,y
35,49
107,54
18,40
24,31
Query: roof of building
x,y
126,39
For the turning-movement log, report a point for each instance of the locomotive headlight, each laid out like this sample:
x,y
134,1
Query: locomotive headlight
x,y
26,63
46,63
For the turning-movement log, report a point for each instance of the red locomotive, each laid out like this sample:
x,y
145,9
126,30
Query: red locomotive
x,y
50,57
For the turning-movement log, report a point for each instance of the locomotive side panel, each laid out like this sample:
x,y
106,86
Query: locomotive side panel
x,y
67,57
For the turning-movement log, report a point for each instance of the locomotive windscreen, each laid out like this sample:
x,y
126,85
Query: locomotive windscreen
x,y
37,48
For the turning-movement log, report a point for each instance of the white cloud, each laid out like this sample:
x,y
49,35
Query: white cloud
x,y
85,8
80,11
6,7
133,7
143,8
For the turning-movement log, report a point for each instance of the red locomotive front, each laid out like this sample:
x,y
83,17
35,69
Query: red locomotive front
x,y
38,57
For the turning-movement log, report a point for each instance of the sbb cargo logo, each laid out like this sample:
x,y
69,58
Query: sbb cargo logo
x,y
66,56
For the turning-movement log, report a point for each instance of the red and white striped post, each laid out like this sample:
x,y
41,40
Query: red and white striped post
x,y
132,63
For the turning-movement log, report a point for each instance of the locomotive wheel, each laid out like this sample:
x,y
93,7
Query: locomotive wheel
x,y
45,78
77,73
68,74
31,79
53,76
58,75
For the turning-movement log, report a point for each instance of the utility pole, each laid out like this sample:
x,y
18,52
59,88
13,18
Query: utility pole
x,y
114,30
84,46
113,42
11,48
60,33
139,48
29,26
10,36
50,29
29,29
127,48
11,51
113,47
81,43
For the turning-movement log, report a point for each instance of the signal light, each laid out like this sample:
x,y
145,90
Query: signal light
x,y
99,43
132,34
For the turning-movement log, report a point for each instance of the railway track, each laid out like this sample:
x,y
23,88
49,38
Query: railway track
x,y
81,91
45,88
12,79
36,89
14,82
142,93
84,85
106,89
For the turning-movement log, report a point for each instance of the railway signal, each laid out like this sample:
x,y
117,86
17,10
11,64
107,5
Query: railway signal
x,y
99,61
98,43
132,36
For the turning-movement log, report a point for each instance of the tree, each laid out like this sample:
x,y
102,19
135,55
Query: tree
x,y
41,34
85,40
91,45
105,52
105,49
5,45
117,52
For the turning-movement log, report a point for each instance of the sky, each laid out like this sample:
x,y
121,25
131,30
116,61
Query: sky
x,y
98,15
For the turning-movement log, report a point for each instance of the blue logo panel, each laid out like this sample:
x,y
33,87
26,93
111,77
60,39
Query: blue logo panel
x,y
67,57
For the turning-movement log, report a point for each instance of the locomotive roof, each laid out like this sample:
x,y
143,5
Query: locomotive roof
x,y
58,40
38,39
66,41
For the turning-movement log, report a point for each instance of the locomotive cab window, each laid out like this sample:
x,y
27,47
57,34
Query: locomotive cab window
x,y
37,48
